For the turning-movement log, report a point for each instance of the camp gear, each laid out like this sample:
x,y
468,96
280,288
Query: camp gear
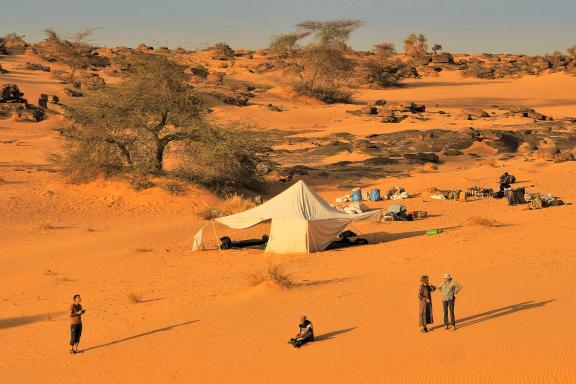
x,y
462,196
301,220
346,234
356,194
420,214
499,195
516,196
227,243
396,209
431,232
535,202
375,194
554,203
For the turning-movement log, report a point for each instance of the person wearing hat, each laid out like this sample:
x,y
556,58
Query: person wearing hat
x,y
425,303
449,289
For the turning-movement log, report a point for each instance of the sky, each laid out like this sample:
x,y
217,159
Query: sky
x,y
463,26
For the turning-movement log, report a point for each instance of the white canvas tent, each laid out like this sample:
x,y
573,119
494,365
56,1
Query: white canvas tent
x,y
301,220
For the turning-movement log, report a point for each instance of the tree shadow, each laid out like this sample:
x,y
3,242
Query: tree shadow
x,y
495,313
333,334
140,335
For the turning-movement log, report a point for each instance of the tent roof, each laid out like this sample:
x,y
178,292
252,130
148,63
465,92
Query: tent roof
x,y
296,202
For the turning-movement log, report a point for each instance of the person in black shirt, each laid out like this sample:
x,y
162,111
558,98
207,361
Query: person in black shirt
x,y
305,333
76,313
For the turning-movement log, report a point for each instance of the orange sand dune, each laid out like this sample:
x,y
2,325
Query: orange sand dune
x,y
197,320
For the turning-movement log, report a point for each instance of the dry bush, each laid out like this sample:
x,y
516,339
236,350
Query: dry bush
x,y
141,183
416,45
173,188
273,274
222,51
327,93
482,222
209,213
236,203
136,297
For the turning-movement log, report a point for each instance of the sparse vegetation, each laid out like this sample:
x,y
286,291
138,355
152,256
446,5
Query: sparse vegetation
x,y
222,51
571,51
322,66
236,203
416,45
76,53
128,127
273,274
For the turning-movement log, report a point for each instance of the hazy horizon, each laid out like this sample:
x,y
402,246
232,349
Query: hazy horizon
x,y
511,26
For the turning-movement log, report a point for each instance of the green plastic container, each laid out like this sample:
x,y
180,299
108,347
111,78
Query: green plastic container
x,y
431,232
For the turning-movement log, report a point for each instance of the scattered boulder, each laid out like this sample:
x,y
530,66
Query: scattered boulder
x,y
473,113
416,108
380,102
36,67
422,157
73,92
369,110
452,152
2,70
11,94
43,100
199,71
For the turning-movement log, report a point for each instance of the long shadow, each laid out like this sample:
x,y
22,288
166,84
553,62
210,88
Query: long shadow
x,y
495,313
11,322
313,283
333,334
140,335
380,237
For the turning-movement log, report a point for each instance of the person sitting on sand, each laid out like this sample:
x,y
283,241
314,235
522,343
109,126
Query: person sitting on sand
x,y
505,182
449,289
76,313
305,333
425,303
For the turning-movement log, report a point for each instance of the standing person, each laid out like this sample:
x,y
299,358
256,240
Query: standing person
x,y
305,333
76,313
425,303
449,289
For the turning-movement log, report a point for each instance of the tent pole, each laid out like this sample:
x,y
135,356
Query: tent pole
x,y
215,235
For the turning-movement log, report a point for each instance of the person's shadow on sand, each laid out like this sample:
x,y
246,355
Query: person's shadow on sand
x,y
139,335
495,313
333,334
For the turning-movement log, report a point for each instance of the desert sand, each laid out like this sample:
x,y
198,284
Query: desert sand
x,y
196,319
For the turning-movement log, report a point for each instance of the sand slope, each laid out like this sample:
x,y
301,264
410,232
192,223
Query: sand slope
x,y
199,321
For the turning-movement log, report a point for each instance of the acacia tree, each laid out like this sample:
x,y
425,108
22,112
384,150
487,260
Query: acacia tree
x,y
384,50
322,64
128,127
436,48
76,52
416,45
